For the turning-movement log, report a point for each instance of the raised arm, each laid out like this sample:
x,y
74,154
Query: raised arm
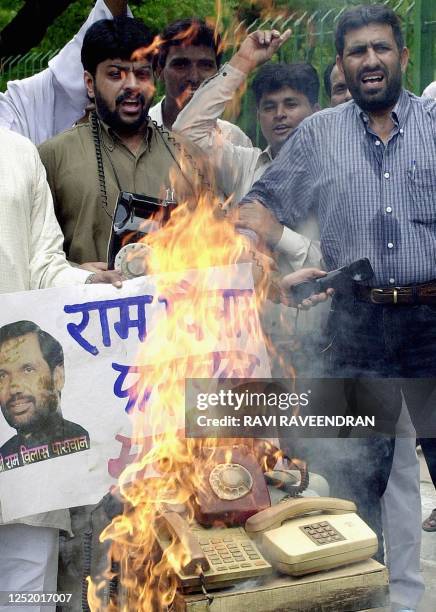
x,y
234,165
258,48
118,8
49,102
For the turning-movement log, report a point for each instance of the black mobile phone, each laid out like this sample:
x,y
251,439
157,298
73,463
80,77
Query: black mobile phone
x,y
359,271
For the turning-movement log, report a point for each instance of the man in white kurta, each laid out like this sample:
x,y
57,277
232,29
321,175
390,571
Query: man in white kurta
x,y
237,166
31,257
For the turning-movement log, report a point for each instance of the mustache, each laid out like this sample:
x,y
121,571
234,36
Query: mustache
x,y
366,71
126,95
19,397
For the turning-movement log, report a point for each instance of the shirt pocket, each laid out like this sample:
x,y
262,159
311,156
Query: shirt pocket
x,y
422,191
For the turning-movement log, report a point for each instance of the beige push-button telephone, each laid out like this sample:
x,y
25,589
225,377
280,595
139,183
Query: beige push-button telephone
x,y
222,555
298,545
288,535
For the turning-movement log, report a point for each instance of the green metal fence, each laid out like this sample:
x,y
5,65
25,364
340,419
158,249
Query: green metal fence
x,y
22,66
424,44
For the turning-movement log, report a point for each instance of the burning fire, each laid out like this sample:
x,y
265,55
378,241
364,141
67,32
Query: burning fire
x,y
198,236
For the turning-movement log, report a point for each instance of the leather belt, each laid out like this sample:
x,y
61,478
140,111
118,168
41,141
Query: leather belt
x,y
410,294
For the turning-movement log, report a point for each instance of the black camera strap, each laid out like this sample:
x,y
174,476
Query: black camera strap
x,y
95,127
166,138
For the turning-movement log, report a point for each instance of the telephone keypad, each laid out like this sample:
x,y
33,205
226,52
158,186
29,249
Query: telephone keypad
x,y
229,553
322,533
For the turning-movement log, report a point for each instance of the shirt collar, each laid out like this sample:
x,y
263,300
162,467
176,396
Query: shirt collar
x,y
111,138
266,155
401,109
399,113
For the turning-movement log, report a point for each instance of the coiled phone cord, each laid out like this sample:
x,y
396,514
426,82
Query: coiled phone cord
x,y
304,479
95,128
86,570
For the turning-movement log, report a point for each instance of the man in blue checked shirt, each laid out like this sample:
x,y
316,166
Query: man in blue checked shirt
x,y
368,169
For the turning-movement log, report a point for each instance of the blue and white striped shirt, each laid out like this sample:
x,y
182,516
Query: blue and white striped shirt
x,y
372,200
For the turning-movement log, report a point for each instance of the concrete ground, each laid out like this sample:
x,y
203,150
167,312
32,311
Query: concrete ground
x,y
428,551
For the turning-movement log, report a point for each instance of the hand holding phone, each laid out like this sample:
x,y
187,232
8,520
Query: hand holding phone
x,y
301,288
358,271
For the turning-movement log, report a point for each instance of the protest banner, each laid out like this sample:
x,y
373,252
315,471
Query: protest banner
x,y
73,369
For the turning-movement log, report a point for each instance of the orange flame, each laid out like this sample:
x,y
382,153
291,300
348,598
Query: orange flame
x,y
197,236
146,53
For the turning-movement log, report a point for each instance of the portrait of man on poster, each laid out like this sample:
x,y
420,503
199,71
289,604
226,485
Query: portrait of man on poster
x,y
31,381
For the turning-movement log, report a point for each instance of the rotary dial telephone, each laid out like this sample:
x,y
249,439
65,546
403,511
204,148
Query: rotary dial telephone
x,y
232,486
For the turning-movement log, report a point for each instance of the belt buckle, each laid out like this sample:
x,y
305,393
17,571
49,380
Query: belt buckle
x,y
376,291
373,293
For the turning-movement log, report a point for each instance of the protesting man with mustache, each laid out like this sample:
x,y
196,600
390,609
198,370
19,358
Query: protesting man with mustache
x,y
335,85
368,168
118,149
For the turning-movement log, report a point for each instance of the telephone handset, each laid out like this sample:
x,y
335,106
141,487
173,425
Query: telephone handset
x,y
192,558
297,544
213,557
274,517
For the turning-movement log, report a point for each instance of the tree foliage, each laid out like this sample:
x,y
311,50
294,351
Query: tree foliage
x,y
8,10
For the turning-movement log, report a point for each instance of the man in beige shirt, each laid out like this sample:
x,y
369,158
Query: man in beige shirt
x,y
135,155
